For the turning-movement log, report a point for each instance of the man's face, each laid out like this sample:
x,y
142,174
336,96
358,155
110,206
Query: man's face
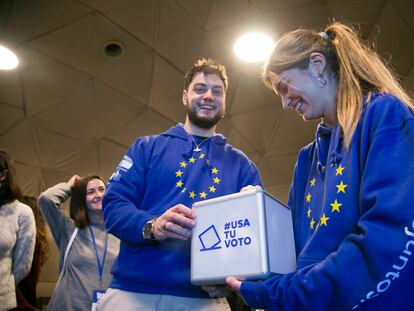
x,y
205,100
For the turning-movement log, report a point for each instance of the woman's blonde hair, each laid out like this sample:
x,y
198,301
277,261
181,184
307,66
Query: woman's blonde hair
x,y
358,69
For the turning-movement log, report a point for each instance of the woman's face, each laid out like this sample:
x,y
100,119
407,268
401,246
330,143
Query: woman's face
x,y
95,190
300,90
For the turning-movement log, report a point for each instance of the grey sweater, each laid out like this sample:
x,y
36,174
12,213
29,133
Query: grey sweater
x,y
17,242
79,276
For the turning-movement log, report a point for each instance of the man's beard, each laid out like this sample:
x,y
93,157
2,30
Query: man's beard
x,y
202,122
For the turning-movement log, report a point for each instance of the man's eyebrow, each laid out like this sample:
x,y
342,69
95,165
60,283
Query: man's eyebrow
x,y
204,84
199,84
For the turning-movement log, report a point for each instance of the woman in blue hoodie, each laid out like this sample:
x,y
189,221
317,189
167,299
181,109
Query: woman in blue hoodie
x,y
352,197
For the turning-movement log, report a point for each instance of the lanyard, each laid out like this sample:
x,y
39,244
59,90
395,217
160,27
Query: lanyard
x,y
100,267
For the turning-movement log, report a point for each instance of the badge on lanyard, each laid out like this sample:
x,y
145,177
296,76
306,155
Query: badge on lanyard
x,y
97,293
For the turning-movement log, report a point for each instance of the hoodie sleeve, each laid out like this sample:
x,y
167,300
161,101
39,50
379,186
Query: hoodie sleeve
x,y
122,211
371,268
50,203
250,175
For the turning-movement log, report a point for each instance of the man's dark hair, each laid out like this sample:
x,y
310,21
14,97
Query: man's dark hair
x,y
206,66
9,189
77,208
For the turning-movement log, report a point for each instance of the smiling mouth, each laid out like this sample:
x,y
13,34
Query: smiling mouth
x,y
297,107
207,107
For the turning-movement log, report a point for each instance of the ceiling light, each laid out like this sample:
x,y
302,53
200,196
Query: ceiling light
x,y
8,60
253,47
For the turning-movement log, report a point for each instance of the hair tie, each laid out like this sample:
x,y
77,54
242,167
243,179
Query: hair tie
x,y
324,35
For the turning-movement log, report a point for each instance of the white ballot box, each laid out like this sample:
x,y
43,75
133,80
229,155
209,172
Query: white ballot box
x,y
247,235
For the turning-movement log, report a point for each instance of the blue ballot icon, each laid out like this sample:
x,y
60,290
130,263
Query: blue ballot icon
x,y
209,239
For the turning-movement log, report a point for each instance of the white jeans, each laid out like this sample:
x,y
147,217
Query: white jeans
x,y
116,299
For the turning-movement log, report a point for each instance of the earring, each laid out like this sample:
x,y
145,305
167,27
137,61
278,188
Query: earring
x,y
321,79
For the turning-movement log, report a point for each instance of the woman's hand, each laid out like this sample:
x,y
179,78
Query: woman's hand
x,y
234,285
73,180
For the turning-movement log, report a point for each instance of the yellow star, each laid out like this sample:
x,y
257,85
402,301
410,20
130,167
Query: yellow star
x,y
308,197
214,170
312,223
312,182
183,164
212,189
341,187
178,173
216,180
192,194
339,170
323,168
191,160
335,206
324,220
202,155
203,195
184,190
179,184
208,161
309,212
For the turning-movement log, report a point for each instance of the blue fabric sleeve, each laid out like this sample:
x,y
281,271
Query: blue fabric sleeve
x,y
123,214
250,176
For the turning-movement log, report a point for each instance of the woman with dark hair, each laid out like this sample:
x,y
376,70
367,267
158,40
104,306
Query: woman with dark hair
x,y
87,251
26,289
17,234
352,197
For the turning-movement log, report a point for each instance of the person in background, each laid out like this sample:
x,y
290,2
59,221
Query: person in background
x,y
26,289
352,192
17,233
147,204
86,250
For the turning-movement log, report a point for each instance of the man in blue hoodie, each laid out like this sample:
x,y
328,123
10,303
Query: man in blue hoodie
x,y
148,199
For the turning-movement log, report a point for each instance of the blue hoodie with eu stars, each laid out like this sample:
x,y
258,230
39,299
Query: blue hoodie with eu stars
x,y
157,173
353,213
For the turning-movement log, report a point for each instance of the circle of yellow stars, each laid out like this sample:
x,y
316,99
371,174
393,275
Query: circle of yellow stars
x,y
335,205
192,194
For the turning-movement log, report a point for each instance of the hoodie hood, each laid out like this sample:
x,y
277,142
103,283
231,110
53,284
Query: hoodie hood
x,y
329,140
179,132
328,145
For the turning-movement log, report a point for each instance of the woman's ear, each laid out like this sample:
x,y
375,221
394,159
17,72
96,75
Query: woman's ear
x,y
317,62
3,175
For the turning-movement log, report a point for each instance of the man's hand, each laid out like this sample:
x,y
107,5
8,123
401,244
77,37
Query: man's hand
x,y
177,223
216,291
